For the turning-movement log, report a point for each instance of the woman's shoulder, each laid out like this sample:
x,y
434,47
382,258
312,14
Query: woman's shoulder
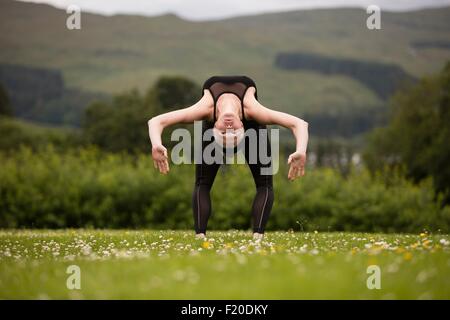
x,y
250,97
250,102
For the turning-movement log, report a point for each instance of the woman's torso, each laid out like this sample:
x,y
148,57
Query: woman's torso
x,y
237,85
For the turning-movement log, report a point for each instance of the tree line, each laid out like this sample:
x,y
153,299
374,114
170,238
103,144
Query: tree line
x,y
415,138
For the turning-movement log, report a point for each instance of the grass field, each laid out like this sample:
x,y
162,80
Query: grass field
x,y
228,265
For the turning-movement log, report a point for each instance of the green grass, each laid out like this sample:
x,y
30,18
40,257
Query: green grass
x,y
174,265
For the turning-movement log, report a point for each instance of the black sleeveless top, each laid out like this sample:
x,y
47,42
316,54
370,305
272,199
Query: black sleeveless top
x,y
237,85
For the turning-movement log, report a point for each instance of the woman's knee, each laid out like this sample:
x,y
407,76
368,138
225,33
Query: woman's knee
x,y
264,181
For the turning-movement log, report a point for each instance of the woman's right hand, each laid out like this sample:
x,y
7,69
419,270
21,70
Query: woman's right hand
x,y
297,161
160,159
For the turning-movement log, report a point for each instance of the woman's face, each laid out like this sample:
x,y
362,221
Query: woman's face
x,y
228,112
228,129
228,121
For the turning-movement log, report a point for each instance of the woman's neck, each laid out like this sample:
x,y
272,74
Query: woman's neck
x,y
228,107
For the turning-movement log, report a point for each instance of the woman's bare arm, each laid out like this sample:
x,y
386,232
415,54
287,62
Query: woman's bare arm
x,y
197,111
156,125
298,126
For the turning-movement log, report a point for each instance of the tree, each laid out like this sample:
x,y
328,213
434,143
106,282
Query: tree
x,y
418,134
121,125
5,106
173,92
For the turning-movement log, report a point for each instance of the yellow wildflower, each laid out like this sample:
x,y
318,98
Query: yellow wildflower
x,y
206,245
407,256
400,250
426,244
228,245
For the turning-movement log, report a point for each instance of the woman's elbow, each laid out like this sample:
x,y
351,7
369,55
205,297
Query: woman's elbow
x,y
153,123
299,123
154,120
302,123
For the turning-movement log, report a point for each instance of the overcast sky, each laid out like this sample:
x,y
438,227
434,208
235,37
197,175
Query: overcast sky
x,y
217,9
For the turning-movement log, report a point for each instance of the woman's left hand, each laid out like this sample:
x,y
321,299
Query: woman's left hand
x,y
297,161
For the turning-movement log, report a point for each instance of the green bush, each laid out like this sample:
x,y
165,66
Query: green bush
x,y
417,134
87,187
16,132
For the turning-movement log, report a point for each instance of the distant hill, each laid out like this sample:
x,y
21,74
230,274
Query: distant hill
x,y
113,53
384,79
40,94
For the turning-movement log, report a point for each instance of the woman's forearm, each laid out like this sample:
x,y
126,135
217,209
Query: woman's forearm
x,y
298,126
300,131
197,111
155,129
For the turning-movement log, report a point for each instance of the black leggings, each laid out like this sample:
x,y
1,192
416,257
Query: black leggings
x,y
204,179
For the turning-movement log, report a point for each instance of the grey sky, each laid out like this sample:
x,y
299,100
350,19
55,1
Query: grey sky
x,y
217,9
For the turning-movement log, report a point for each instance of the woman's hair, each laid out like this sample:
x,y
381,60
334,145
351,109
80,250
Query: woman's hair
x,y
230,138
